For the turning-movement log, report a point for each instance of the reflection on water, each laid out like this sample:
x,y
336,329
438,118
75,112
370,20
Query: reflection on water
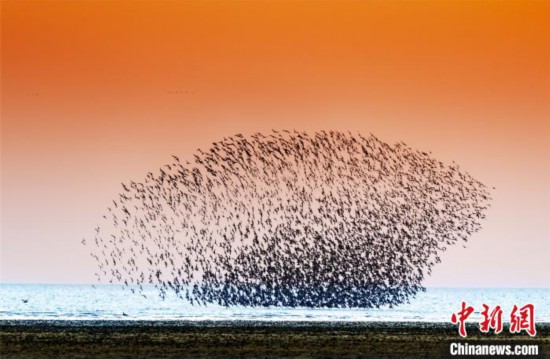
x,y
46,301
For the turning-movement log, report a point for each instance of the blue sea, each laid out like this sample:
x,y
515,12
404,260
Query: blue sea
x,y
109,302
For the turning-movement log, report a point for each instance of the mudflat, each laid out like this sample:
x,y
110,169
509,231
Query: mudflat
x,y
244,339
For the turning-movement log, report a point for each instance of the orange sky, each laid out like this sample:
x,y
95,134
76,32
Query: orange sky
x,y
99,92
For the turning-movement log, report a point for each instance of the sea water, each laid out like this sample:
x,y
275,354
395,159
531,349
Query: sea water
x,y
111,302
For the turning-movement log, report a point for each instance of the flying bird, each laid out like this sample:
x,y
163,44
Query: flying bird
x,y
326,219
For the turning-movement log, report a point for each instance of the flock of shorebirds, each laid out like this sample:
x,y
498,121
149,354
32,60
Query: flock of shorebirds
x,y
328,219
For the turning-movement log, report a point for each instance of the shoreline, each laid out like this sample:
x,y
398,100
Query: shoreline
x,y
237,339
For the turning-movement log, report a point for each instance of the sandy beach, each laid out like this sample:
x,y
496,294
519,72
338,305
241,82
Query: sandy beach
x,y
187,339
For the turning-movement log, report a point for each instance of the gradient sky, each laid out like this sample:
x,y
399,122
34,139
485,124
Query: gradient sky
x,y
95,93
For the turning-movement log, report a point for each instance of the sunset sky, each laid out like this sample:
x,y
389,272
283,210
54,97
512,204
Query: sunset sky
x,y
95,93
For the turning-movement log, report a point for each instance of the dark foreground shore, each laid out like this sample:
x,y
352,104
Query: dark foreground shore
x,y
173,339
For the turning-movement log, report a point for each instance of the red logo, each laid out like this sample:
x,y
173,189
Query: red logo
x,y
520,319
492,320
461,317
524,320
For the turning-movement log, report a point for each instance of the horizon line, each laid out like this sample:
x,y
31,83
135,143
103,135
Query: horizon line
x,y
152,285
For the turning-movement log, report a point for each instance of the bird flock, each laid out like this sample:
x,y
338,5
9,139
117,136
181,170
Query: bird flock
x,y
325,219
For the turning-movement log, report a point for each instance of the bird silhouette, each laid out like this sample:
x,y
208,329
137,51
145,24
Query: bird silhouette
x,y
327,219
